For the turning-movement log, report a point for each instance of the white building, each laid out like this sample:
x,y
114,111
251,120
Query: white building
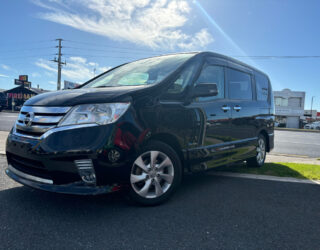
x,y
289,106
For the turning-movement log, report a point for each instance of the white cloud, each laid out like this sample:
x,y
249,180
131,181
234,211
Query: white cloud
x,y
156,24
52,83
103,69
76,70
35,74
6,67
1,75
202,38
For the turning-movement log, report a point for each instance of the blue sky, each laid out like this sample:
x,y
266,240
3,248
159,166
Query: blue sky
x,y
100,34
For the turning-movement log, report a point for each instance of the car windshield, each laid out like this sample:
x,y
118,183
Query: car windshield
x,y
142,72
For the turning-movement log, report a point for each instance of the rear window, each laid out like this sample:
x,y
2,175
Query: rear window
x,y
262,86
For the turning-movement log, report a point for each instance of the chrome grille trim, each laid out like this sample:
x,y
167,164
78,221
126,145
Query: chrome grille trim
x,y
52,131
41,118
46,110
33,128
35,120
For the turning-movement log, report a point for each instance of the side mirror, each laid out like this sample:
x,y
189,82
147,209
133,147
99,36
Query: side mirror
x,y
205,89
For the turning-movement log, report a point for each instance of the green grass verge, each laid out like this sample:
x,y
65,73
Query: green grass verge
x,y
282,169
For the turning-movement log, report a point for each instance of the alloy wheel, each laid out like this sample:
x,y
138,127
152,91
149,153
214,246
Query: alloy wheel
x,y
152,174
261,151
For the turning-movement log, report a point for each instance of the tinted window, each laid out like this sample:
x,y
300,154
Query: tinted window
x,y
212,74
239,85
262,86
182,80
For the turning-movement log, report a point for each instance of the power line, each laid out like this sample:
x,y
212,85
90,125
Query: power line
x,y
112,46
23,57
27,42
102,56
108,51
278,57
24,49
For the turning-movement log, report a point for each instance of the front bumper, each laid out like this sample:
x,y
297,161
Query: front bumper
x,y
78,188
110,148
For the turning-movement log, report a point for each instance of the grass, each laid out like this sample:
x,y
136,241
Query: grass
x,y
281,169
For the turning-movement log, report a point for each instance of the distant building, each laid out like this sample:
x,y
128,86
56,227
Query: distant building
x,y
70,85
310,116
289,107
20,94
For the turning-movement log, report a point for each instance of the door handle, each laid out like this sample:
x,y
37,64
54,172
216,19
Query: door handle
x,y
225,108
237,108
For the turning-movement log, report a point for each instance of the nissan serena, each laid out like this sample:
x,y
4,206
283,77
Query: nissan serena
x,y
141,125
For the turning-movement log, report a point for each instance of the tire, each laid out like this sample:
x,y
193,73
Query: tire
x,y
155,174
318,128
258,160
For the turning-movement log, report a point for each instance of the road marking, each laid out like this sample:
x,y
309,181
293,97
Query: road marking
x,y
265,177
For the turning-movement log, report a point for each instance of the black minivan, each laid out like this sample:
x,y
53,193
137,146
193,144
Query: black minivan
x,y
141,125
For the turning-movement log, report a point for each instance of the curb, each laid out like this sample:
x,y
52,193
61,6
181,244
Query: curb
x,y
266,178
297,130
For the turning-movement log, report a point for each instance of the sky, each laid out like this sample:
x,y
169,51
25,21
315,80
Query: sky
x,y
99,34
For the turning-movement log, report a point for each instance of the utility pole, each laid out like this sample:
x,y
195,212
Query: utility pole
x,y
59,63
311,105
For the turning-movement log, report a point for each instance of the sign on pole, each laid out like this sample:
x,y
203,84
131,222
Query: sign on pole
x,y
22,81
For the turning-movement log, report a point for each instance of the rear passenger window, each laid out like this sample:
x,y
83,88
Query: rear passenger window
x,y
262,86
239,85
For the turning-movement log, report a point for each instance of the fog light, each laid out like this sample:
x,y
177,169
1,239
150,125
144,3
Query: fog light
x,y
86,170
114,155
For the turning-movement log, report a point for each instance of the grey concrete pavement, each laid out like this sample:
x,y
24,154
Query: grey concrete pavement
x,y
7,120
207,212
291,158
297,143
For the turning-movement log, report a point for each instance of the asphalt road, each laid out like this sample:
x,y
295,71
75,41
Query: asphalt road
x,y
297,143
286,142
207,212
7,120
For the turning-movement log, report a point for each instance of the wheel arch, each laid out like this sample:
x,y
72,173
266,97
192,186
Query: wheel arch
x,y
172,141
265,134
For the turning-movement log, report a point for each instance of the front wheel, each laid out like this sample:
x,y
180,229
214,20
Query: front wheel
x,y
155,174
259,159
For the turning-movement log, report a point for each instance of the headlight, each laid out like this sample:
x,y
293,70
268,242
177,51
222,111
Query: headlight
x,y
101,114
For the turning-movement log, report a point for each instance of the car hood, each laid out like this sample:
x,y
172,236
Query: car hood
x,y
85,96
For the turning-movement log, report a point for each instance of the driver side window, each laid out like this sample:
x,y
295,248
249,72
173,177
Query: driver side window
x,y
212,74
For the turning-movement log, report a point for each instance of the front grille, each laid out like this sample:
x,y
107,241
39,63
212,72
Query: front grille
x,y
35,120
28,166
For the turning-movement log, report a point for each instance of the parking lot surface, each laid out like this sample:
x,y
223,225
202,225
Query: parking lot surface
x,y
208,212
